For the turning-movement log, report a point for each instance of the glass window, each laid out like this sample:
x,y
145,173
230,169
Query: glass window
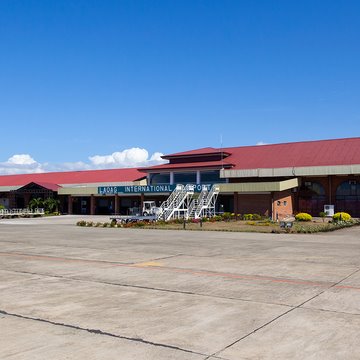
x,y
317,188
156,179
348,189
211,177
185,178
312,190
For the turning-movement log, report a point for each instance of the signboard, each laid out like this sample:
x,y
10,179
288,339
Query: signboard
x,y
143,189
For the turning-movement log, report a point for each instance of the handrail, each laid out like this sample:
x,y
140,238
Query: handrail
x,y
206,201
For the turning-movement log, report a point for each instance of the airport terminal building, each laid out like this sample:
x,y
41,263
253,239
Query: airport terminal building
x,y
272,180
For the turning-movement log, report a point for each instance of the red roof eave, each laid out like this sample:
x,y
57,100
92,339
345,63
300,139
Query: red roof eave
x,y
209,164
74,177
195,153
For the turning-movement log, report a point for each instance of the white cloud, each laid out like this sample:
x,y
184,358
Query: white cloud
x,y
156,157
20,164
134,157
21,159
261,143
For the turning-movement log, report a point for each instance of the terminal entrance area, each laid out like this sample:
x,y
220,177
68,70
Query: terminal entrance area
x,y
106,205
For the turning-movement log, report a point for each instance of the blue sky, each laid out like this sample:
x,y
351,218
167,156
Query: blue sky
x,y
82,80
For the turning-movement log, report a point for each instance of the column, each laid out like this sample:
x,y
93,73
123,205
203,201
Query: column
x,y
117,204
171,178
141,202
92,204
70,209
330,189
236,205
198,177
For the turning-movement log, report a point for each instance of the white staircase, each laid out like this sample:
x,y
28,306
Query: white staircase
x,y
177,203
196,204
204,205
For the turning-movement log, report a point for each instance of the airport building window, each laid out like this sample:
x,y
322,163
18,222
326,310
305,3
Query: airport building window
x,y
185,178
156,179
348,190
211,177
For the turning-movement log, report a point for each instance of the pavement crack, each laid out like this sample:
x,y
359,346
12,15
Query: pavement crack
x,y
252,332
148,288
103,333
161,258
330,287
282,315
331,311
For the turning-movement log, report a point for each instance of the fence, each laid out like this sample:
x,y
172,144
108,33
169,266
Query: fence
x,y
4,213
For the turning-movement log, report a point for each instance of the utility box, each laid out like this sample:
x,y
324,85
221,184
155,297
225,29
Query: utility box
x,y
329,210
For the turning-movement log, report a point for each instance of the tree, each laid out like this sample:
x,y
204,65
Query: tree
x,y
51,205
36,203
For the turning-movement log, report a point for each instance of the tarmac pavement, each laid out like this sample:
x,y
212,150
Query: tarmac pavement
x,y
69,292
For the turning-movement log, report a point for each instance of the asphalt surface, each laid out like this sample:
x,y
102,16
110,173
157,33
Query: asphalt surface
x,y
68,292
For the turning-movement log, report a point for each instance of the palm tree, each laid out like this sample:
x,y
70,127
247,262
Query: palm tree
x,y
51,205
36,203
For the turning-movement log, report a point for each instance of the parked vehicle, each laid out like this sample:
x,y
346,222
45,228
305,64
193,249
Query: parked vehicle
x,y
149,208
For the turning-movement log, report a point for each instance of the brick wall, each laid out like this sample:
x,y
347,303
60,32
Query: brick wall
x,y
282,204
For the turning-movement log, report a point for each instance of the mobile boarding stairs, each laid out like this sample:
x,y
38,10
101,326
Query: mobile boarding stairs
x,y
182,204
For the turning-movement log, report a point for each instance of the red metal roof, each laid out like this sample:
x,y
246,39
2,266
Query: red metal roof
x,y
206,150
73,177
297,154
199,152
49,186
206,164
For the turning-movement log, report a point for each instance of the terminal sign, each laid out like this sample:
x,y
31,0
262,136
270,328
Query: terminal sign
x,y
143,189
135,189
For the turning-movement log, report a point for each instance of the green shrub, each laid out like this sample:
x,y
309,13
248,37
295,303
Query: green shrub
x,y
248,216
176,221
341,216
256,217
303,217
322,214
217,218
226,216
161,222
2,207
81,223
